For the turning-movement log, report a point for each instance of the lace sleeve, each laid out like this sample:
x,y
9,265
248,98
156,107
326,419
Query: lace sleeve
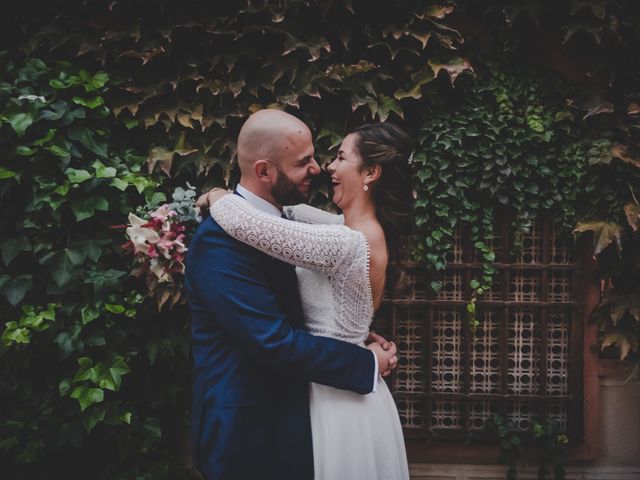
x,y
315,247
307,214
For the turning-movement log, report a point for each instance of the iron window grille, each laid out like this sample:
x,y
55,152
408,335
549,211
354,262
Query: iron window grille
x,y
523,363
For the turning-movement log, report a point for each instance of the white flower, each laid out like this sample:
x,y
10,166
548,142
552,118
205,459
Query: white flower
x,y
141,236
159,271
32,98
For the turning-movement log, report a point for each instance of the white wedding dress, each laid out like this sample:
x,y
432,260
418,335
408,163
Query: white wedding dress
x,y
355,437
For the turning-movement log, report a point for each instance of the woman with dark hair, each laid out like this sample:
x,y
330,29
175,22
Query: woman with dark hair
x,y
341,265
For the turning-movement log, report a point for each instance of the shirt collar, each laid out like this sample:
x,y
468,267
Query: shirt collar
x,y
257,202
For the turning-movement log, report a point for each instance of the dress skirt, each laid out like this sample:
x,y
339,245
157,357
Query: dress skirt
x,y
356,437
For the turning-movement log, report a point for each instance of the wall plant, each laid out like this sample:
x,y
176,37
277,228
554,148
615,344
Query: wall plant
x,y
107,106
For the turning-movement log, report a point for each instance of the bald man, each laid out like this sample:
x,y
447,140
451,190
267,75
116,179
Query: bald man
x,y
253,360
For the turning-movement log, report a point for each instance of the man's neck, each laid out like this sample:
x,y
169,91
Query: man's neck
x,y
259,192
259,201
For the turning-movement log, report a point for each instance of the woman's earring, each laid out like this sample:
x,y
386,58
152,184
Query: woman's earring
x,y
366,187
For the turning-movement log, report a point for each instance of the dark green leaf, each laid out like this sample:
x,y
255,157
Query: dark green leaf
x,y
91,103
87,208
92,417
6,173
64,387
88,138
87,396
61,264
20,121
69,342
102,171
77,176
12,246
16,288
25,151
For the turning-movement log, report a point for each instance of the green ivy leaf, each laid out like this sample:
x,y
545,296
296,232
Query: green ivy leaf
x,y
87,208
104,279
117,309
91,103
6,173
86,371
87,396
118,369
92,417
152,428
69,342
11,247
61,264
16,288
25,151
57,84
96,82
15,334
64,387
119,184
88,138
20,121
102,171
46,139
77,176
91,247
63,189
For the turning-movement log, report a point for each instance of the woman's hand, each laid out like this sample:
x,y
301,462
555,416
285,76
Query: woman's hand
x,y
207,199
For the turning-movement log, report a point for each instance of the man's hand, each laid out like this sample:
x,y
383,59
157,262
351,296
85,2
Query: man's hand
x,y
374,337
209,198
387,359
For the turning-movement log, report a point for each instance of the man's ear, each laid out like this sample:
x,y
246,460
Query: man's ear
x,y
262,169
373,173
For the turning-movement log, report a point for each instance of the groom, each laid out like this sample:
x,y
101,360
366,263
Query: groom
x,y
253,360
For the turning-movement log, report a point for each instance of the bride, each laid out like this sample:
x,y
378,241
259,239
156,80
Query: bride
x,y
341,265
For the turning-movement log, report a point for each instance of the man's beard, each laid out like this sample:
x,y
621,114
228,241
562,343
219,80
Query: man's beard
x,y
286,192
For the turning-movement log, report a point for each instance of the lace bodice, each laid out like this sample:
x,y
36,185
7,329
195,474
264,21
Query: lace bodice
x,y
332,262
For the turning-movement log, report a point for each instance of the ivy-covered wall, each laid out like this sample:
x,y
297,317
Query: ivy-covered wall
x,y
107,106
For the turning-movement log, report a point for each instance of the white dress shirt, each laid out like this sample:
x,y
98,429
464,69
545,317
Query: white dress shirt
x,y
264,206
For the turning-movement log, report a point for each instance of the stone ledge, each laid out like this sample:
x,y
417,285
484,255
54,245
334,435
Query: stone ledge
x,y
433,471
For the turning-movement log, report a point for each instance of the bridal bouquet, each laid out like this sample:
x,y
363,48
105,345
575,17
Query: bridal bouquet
x,y
157,241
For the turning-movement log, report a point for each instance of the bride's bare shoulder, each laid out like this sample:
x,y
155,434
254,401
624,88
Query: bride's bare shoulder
x,y
377,243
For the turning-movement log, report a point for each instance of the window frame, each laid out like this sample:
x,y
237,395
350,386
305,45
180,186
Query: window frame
x,y
583,359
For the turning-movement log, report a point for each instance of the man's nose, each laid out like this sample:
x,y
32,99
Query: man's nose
x,y
314,168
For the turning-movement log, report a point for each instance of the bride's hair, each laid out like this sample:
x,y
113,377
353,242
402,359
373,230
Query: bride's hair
x,y
387,145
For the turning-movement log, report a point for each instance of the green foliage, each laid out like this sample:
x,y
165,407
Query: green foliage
x,y
74,331
552,449
189,85
510,443
609,105
508,148
546,437
151,102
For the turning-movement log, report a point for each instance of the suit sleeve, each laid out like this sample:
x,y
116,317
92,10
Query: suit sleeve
x,y
231,284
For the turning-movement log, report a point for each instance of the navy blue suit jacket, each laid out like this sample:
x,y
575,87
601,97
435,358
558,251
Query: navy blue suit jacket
x,y
253,361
